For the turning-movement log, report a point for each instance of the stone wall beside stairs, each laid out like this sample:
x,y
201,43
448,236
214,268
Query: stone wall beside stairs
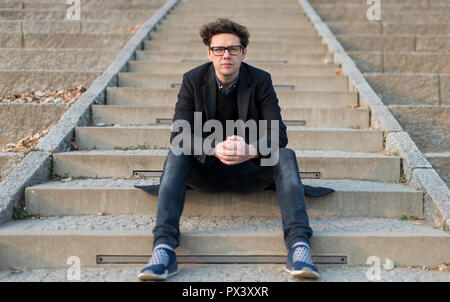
x,y
405,57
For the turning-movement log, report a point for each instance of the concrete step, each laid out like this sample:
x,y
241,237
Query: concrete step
x,y
212,272
254,22
11,4
388,28
63,40
244,18
311,117
279,69
288,46
156,97
243,11
187,29
402,62
13,81
213,10
323,164
307,37
288,82
389,7
300,138
87,27
56,59
138,15
342,13
93,4
201,57
120,197
26,243
237,14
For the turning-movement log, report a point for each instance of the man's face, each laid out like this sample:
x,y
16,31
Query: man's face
x,y
227,65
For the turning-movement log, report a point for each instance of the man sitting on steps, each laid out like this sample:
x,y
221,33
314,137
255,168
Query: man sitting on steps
x,y
227,90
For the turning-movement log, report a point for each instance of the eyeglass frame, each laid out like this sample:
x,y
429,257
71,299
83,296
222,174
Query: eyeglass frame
x,y
241,47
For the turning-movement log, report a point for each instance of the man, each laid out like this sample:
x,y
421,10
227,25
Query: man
x,y
227,90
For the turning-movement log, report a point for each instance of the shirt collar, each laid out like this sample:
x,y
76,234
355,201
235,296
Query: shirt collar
x,y
225,90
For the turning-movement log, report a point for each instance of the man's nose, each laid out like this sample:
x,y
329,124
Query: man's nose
x,y
226,53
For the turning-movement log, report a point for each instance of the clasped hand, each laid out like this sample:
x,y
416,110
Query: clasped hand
x,y
234,150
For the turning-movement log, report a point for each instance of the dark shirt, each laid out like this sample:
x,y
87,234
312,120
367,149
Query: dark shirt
x,y
225,90
226,108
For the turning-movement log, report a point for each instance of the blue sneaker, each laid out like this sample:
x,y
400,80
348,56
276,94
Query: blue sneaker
x,y
162,265
299,262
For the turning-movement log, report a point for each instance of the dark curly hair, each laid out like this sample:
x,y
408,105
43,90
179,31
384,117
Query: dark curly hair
x,y
223,26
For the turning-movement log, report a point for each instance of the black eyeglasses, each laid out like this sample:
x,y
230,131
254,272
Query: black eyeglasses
x,y
234,50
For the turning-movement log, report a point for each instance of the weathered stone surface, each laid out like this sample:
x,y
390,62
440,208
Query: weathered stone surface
x,y
444,80
416,62
429,126
56,59
376,43
8,161
405,89
67,40
423,2
10,26
11,4
32,14
20,120
367,61
49,27
362,28
18,81
401,143
437,195
226,273
441,164
10,40
119,4
390,28
388,13
425,43
33,169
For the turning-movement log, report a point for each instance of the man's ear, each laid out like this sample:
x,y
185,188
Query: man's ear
x,y
208,53
244,52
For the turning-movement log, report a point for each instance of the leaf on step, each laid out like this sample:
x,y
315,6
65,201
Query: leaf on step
x,y
444,267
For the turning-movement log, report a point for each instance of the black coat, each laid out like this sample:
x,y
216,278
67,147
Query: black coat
x,y
256,100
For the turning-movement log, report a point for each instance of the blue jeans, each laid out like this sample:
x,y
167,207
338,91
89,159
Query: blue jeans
x,y
245,177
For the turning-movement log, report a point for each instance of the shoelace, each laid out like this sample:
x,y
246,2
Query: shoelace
x,y
159,256
301,253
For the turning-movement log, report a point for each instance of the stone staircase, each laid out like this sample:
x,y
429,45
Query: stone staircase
x,y
92,210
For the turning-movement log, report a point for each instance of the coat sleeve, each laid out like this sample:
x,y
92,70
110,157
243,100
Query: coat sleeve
x,y
270,111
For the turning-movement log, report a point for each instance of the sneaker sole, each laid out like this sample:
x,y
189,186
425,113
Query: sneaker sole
x,y
147,276
303,273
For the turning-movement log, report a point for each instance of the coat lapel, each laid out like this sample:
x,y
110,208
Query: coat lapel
x,y
209,90
243,95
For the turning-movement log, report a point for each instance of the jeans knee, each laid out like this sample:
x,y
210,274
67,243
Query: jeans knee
x,y
287,157
178,160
